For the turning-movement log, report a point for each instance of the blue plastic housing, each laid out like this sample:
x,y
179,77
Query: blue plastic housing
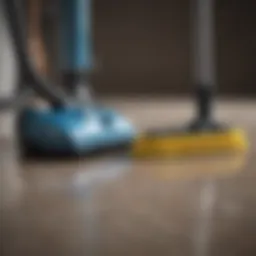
x,y
75,130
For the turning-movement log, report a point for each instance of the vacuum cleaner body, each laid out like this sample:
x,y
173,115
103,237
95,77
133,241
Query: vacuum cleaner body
x,y
85,128
73,130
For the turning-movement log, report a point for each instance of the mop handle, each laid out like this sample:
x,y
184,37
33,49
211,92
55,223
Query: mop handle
x,y
203,46
204,74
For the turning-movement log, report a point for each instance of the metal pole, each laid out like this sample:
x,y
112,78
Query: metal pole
x,y
204,74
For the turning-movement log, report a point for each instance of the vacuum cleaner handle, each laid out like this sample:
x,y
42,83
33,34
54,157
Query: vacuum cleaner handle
x,y
76,47
28,71
76,41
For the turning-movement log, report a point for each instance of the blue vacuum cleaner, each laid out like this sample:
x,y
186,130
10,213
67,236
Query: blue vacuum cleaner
x,y
69,126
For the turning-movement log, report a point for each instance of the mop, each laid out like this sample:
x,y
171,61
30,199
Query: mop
x,y
204,135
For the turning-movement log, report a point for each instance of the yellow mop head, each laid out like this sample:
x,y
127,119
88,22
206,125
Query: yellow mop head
x,y
192,143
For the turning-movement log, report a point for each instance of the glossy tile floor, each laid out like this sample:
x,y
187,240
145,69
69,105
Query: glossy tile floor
x,y
114,206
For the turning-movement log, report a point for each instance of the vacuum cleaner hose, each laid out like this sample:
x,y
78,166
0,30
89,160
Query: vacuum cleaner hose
x,y
16,24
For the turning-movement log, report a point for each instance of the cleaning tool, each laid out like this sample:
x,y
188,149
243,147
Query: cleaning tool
x,y
68,126
204,135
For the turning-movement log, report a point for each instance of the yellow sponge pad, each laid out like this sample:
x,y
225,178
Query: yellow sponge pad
x,y
190,144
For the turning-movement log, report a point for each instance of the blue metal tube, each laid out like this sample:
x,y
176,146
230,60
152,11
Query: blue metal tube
x,y
76,36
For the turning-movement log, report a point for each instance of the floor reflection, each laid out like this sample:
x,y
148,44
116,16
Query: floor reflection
x,y
192,168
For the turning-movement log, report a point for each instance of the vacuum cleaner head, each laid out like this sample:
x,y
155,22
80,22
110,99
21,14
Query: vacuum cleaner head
x,y
73,130
190,143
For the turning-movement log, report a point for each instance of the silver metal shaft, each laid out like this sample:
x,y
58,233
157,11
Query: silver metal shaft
x,y
203,40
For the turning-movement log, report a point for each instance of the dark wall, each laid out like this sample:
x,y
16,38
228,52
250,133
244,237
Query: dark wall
x,y
142,46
